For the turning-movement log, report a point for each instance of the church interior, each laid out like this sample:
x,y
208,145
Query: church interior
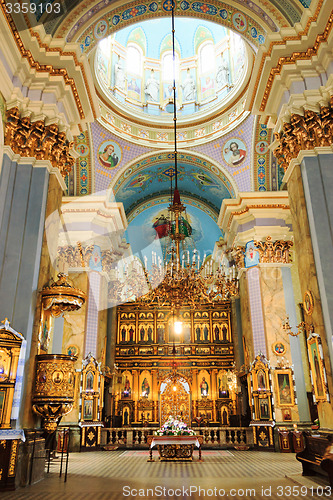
x,y
166,232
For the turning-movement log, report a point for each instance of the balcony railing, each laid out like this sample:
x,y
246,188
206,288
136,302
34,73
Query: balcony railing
x,y
219,437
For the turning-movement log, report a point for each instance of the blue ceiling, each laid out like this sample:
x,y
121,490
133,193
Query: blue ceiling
x,y
154,181
142,236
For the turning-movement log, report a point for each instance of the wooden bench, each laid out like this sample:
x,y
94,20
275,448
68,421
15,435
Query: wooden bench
x,y
317,458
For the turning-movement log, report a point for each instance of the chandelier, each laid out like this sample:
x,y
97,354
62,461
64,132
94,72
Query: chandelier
x,y
176,280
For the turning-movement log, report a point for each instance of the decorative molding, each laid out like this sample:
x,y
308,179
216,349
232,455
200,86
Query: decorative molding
x,y
77,63
36,140
304,133
251,207
296,56
48,68
275,43
78,256
274,252
277,252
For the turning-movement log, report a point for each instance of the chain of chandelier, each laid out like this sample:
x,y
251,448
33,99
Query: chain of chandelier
x,y
177,280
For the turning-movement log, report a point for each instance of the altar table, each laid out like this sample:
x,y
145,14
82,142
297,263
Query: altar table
x,y
174,447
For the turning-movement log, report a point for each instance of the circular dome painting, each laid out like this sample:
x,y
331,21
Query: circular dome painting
x,y
135,67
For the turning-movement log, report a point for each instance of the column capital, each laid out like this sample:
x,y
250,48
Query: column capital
x,y
306,133
270,252
37,140
254,216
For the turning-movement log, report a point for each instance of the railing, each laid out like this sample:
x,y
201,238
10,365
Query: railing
x,y
226,437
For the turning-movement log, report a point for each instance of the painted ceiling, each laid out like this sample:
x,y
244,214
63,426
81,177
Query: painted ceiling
x,y
155,33
154,181
273,14
142,236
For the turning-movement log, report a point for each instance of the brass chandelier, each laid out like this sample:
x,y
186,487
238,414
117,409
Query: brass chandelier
x,y
176,280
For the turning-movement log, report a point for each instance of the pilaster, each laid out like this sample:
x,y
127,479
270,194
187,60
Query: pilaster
x,y
259,233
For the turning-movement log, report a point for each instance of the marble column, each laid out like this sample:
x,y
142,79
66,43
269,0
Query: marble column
x,y
295,347
92,314
28,195
311,210
237,331
317,176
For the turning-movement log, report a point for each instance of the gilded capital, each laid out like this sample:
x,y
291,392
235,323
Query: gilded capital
x,y
274,252
277,252
37,140
304,133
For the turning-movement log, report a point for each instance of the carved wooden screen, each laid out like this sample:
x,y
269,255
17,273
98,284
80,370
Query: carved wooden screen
x,y
175,402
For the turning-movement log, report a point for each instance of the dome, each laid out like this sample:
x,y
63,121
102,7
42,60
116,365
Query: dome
x,y
134,69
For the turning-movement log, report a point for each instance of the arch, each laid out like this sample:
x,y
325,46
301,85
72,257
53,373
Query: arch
x,y
134,59
166,43
278,14
138,37
167,66
141,162
175,400
254,26
202,35
168,376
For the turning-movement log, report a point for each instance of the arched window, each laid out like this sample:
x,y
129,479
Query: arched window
x,y
207,58
206,68
167,66
134,60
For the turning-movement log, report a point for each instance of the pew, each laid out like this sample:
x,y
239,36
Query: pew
x,y
317,456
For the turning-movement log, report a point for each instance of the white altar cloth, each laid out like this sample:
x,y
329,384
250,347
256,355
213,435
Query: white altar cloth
x,y
174,440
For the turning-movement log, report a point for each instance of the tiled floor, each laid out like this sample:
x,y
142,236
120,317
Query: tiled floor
x,y
117,475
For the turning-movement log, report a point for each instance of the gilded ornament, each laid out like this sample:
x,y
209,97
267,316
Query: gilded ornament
x,y
308,303
12,460
37,140
61,296
274,252
79,256
304,133
53,394
279,348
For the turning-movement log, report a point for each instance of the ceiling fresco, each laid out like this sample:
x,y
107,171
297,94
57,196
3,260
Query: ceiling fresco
x,y
142,236
272,14
156,180
134,67
186,200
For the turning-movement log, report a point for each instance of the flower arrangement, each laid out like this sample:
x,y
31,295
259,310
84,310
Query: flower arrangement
x,y
174,427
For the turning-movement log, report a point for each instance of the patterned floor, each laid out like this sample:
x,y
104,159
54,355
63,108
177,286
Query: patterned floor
x,y
145,453
117,475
